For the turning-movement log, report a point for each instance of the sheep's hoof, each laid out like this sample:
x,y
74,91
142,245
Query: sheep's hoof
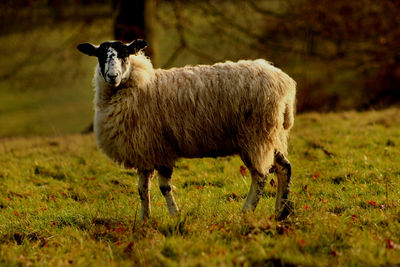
x,y
286,210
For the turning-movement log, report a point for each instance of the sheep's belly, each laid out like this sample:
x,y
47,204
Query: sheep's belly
x,y
210,154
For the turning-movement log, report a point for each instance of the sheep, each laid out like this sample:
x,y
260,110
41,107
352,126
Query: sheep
x,y
148,118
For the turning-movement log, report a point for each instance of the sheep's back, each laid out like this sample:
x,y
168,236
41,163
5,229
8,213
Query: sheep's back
x,y
208,110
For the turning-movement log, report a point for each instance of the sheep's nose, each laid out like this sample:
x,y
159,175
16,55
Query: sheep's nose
x,y
112,76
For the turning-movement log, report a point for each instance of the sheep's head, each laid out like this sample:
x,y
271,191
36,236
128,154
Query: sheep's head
x,y
113,58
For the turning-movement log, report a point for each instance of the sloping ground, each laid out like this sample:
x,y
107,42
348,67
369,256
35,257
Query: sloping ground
x,y
62,202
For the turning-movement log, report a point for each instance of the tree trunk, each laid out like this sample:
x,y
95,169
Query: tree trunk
x,y
135,20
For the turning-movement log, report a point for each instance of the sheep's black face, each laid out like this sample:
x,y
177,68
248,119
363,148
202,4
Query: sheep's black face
x,y
113,58
113,62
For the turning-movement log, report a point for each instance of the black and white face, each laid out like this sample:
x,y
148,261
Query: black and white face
x,y
113,58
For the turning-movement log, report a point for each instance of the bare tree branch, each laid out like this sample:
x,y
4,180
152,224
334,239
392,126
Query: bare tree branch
x,y
183,44
264,12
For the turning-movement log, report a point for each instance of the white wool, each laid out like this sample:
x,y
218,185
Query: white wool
x,y
158,116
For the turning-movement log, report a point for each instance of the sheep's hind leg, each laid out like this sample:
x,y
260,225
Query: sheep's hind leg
x,y
283,169
256,190
144,192
165,184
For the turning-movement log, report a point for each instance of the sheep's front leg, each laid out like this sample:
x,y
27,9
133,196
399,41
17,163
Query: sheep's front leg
x,y
144,192
256,190
165,184
283,169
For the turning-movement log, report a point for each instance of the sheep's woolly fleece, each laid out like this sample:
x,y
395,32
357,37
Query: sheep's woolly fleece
x,y
227,108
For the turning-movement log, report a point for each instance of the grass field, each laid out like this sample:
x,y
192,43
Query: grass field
x,y
62,202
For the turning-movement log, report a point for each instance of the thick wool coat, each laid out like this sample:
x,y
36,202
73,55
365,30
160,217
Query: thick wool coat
x,y
158,116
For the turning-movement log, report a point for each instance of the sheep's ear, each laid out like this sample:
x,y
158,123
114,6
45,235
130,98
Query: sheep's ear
x,y
88,49
136,46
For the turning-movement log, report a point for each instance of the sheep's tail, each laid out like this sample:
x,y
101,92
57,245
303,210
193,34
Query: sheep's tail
x,y
288,116
290,106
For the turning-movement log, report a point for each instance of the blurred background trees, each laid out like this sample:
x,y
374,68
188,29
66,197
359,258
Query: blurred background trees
x,y
343,54
135,20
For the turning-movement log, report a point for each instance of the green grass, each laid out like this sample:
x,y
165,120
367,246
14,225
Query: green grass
x,y
64,203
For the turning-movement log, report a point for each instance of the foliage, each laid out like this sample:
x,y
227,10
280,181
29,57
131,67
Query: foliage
x,y
64,203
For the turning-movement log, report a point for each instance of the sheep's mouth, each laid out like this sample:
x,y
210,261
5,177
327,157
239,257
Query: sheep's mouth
x,y
113,82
